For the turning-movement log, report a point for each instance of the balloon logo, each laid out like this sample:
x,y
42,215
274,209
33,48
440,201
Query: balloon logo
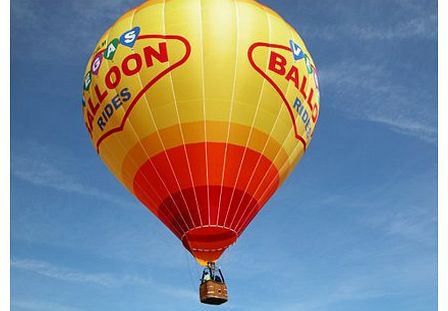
x,y
296,50
129,37
201,109
96,63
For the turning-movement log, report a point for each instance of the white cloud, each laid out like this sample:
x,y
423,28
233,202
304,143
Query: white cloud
x,y
370,284
41,166
411,20
415,223
368,92
414,227
416,28
178,293
70,275
67,34
41,305
111,280
419,27
399,208
132,241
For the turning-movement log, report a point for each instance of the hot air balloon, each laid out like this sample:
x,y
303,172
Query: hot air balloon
x,y
201,109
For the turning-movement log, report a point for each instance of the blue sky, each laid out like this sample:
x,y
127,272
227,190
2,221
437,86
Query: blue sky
x,y
353,228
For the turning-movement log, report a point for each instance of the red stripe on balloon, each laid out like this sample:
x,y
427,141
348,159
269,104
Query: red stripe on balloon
x,y
187,209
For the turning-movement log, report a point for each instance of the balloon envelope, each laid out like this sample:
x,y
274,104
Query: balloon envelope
x,y
201,109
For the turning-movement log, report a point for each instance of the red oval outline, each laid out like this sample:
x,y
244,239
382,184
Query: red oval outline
x,y
264,75
149,84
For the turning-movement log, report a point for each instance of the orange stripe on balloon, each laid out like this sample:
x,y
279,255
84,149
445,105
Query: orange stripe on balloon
x,y
193,133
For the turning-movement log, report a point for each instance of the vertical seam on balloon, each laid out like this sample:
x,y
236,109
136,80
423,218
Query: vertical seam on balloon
x,y
119,139
261,197
264,177
143,147
281,107
154,168
90,90
260,96
271,183
204,111
261,156
143,189
165,153
152,164
231,109
107,65
290,162
179,125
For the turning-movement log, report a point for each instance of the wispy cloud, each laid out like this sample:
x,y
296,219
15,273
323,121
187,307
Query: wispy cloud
x,y
415,224
415,28
72,32
368,285
41,166
108,280
41,305
359,281
131,241
178,293
71,275
417,227
367,91
411,20
419,27
403,207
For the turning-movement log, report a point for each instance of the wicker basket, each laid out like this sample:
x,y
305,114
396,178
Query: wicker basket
x,y
214,293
